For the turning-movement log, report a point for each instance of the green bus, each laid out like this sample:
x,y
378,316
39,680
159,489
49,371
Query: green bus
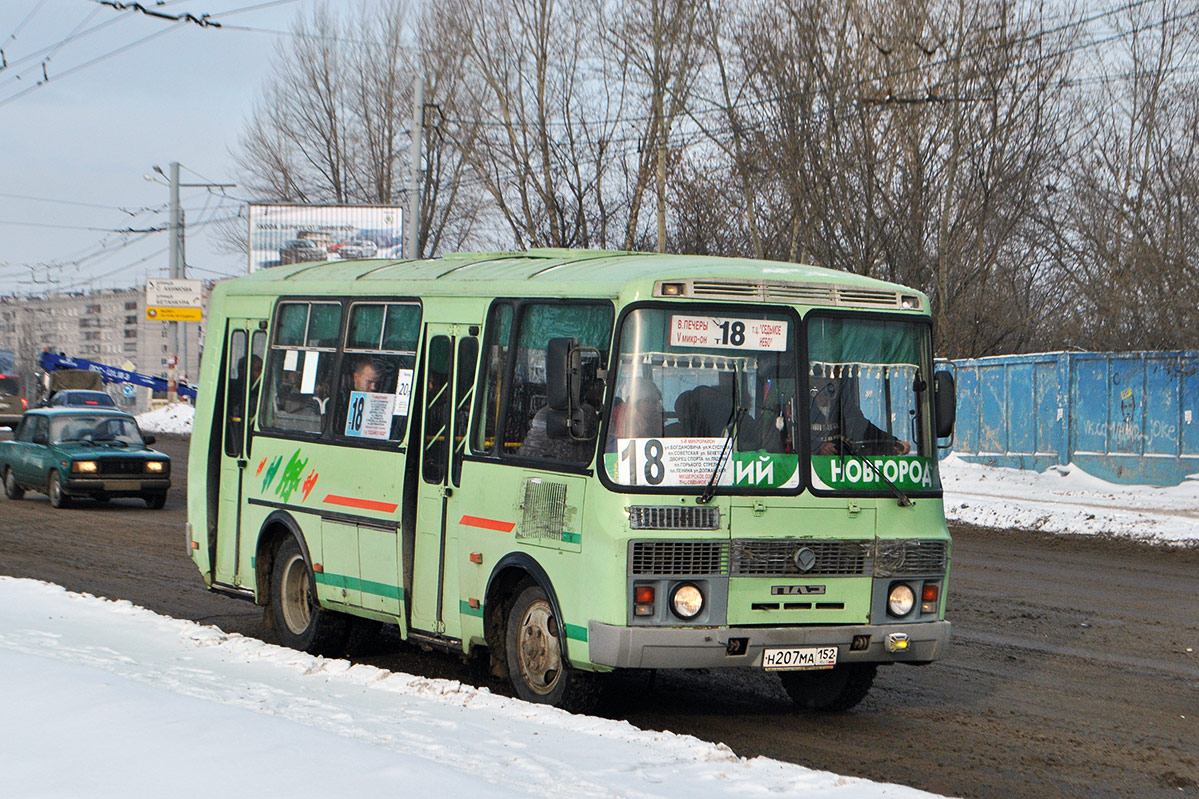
x,y
579,461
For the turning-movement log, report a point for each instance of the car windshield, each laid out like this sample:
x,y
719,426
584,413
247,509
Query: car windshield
x,y
868,404
97,429
705,399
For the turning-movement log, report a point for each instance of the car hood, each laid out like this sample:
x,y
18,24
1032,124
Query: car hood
x,y
76,449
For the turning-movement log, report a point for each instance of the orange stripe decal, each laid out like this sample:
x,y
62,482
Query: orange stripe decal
x,y
487,524
362,504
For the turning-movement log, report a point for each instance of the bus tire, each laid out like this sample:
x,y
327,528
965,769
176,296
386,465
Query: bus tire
x,y
300,622
537,667
832,690
11,489
58,497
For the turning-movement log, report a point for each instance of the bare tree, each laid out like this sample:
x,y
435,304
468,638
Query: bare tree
x,y
1127,233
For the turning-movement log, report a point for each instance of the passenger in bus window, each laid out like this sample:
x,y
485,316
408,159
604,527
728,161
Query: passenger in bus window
x,y
839,426
366,375
643,416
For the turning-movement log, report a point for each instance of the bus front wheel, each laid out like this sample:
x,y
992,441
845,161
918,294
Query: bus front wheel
x,y
537,666
832,690
302,623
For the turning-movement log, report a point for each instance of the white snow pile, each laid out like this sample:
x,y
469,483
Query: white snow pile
x,y
106,699
174,418
1066,499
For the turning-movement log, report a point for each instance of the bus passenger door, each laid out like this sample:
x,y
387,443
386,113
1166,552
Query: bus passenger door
x,y
245,345
451,355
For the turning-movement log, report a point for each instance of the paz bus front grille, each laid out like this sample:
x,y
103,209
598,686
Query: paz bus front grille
x,y
781,558
678,558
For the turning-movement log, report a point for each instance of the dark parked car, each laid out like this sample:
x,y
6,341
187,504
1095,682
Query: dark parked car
x,y
78,452
298,251
78,398
12,400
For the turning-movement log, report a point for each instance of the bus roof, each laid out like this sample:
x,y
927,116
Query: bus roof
x,y
574,273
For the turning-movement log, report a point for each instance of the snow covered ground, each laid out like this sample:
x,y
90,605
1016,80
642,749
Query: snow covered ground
x,y
105,699
174,418
1065,499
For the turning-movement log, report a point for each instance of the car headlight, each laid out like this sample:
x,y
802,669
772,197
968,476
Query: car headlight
x,y
87,467
687,601
901,600
155,466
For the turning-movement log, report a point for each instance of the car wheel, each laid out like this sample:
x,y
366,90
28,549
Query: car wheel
x,y
537,667
58,497
302,623
11,489
831,690
155,501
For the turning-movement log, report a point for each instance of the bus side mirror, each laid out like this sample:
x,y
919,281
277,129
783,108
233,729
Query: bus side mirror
x,y
563,374
568,416
944,403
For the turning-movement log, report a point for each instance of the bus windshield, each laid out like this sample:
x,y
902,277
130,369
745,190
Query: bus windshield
x,y
868,404
704,399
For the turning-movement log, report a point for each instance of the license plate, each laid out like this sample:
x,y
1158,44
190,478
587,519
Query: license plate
x,y
794,659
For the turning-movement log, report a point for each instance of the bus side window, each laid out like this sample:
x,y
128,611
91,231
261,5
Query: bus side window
x,y
374,385
235,394
591,324
299,370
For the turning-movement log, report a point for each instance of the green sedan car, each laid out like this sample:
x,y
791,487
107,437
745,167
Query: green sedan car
x,y
83,452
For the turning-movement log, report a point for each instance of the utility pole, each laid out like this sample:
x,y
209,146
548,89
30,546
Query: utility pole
x,y
176,260
418,133
177,250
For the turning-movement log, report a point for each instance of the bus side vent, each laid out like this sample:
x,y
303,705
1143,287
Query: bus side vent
x,y
910,558
781,558
679,558
545,510
646,517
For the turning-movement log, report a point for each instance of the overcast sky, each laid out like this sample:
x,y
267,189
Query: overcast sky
x,y
75,149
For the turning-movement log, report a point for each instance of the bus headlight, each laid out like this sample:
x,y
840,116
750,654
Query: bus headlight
x,y
901,600
87,467
687,601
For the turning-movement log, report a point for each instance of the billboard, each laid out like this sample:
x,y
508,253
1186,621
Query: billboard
x,y
170,300
292,234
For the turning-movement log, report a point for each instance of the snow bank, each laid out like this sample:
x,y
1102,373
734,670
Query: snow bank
x,y
147,706
174,418
1066,499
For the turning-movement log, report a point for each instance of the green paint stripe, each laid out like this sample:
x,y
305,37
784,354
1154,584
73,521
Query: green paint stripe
x,y
572,538
365,586
466,610
576,632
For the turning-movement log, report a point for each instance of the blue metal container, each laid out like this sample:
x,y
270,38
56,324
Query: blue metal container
x,y
1127,417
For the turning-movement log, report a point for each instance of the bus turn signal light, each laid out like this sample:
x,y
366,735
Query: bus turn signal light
x,y
643,600
928,598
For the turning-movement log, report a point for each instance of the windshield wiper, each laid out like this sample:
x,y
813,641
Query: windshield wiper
x,y
902,498
730,434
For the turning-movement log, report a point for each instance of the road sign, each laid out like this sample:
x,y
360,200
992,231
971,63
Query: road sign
x,y
127,390
174,300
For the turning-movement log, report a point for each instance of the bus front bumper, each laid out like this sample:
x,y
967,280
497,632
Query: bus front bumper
x,y
721,647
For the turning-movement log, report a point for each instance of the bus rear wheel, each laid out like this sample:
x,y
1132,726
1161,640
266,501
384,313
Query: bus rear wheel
x,y
830,690
302,623
537,666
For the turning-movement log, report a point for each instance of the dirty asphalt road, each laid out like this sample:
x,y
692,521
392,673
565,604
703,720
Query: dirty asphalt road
x,y
1069,675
